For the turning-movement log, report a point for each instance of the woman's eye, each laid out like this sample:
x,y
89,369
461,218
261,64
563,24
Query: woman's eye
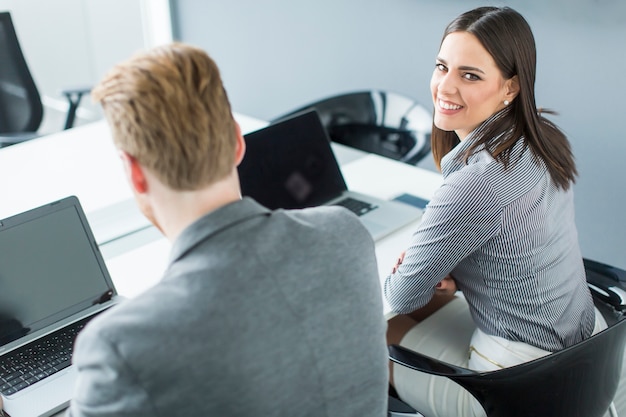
x,y
471,77
440,67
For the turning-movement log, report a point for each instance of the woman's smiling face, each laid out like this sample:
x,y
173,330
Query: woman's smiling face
x,y
467,86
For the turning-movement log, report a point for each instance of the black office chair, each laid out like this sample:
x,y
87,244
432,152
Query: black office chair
x,y
21,110
578,381
379,122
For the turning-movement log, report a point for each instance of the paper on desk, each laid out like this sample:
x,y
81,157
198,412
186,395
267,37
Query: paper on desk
x,y
386,178
387,251
139,269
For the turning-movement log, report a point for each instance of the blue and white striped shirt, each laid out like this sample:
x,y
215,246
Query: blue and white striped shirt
x,y
509,239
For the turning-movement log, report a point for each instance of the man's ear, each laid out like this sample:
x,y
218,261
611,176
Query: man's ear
x,y
134,173
240,149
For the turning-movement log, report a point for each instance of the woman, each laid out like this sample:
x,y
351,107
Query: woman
x,y
501,227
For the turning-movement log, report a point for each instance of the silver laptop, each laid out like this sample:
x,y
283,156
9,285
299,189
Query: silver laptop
x,y
290,164
53,280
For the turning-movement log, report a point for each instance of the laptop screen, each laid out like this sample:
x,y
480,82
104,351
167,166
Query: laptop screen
x,y
290,164
49,268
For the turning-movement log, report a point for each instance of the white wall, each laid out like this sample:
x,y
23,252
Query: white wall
x,y
279,54
74,42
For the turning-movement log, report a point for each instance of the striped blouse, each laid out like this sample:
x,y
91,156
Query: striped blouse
x,y
509,239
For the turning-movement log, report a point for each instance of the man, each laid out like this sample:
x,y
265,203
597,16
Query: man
x,y
250,317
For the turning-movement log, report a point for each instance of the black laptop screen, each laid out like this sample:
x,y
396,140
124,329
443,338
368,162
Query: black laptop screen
x,y
290,164
48,271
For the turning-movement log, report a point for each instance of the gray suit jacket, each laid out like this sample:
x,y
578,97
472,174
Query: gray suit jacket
x,y
259,313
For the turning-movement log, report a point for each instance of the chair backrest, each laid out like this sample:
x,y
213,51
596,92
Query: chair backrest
x,y
21,109
375,121
577,381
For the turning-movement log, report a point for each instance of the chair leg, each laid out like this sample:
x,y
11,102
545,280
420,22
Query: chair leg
x,y
74,101
612,410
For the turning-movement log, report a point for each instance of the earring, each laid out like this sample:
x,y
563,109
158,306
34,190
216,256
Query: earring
x,y
507,102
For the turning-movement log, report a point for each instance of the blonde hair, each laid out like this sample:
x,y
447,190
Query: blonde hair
x,y
167,108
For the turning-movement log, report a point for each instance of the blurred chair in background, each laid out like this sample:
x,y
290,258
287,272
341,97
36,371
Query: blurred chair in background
x,y
21,110
375,121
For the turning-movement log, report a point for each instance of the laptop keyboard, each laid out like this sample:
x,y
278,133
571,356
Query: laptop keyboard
x,y
50,354
358,207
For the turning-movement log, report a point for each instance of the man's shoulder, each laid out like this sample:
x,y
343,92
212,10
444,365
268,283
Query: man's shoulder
x,y
142,310
325,215
329,222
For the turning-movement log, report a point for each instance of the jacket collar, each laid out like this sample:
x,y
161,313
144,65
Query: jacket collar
x,y
214,223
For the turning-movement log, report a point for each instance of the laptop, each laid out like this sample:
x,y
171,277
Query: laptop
x,y
290,164
53,280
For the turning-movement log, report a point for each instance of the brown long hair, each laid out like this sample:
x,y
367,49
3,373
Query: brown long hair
x,y
506,35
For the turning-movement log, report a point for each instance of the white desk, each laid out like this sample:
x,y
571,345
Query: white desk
x,y
80,161
371,174
83,162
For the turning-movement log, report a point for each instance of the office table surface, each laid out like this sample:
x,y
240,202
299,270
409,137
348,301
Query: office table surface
x,y
143,264
84,162
81,161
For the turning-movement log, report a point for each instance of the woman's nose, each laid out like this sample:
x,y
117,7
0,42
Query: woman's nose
x,y
446,84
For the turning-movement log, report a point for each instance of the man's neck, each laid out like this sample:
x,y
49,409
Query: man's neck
x,y
176,210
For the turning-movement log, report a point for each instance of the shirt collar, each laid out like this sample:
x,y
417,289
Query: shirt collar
x,y
454,160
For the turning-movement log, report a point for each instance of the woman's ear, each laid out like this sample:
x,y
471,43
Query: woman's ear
x,y
512,88
134,173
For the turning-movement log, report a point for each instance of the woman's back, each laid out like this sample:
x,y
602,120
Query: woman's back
x,y
527,281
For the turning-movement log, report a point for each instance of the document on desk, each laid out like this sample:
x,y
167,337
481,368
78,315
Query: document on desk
x,y
386,178
139,269
116,221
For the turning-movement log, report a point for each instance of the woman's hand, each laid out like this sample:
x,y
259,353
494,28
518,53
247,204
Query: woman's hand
x,y
398,263
446,286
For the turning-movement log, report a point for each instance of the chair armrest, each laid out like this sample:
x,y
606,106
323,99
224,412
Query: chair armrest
x,y
423,363
607,283
7,139
616,274
398,408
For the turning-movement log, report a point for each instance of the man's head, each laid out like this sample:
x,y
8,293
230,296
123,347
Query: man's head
x,y
167,108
